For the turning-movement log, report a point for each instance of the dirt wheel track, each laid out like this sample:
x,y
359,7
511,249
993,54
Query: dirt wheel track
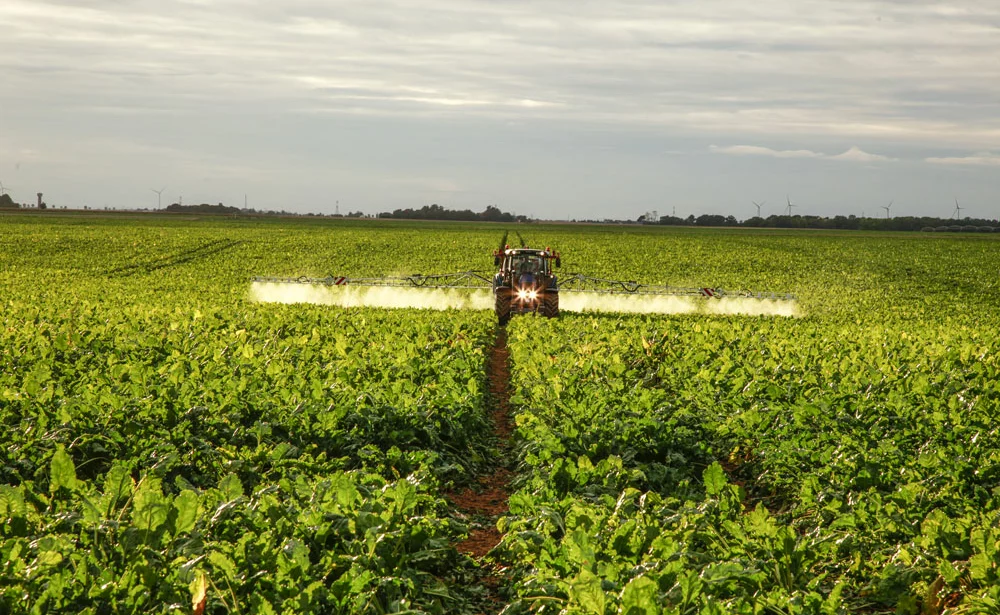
x,y
487,501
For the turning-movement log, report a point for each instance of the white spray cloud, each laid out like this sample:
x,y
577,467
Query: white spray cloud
x,y
751,307
443,299
627,304
371,296
666,304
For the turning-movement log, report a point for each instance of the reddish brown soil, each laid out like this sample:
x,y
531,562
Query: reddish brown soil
x,y
489,498
731,467
480,542
499,374
486,502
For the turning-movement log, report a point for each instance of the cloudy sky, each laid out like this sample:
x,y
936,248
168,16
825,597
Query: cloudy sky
x,y
552,108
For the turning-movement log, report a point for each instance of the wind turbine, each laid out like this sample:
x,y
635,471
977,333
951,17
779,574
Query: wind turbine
x,y
158,193
3,189
958,210
886,208
790,206
758,206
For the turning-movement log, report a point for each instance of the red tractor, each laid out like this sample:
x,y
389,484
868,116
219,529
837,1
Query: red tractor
x,y
525,282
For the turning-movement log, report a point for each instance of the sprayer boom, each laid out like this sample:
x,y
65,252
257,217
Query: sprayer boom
x,y
464,279
525,282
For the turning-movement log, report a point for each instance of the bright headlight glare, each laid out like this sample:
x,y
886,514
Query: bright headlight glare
x,y
532,294
522,294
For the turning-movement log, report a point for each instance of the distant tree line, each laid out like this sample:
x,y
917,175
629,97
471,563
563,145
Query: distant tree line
x,y
6,202
854,223
204,208
436,212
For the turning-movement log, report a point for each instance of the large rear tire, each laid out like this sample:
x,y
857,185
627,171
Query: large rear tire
x,y
550,305
501,304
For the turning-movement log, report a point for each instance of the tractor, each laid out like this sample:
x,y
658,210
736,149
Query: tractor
x,y
525,282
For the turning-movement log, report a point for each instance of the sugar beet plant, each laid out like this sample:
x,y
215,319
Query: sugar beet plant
x,y
748,465
170,446
267,459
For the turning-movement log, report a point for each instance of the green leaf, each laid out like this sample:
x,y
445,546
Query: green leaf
x,y
579,551
347,492
223,564
714,479
833,604
261,605
690,585
760,523
297,553
118,484
149,507
49,558
980,566
948,572
186,504
360,580
639,597
231,487
62,471
585,590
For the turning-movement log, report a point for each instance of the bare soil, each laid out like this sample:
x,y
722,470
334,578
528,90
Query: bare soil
x,y
485,502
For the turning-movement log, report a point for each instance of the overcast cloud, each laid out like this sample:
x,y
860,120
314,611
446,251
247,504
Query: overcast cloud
x,y
556,109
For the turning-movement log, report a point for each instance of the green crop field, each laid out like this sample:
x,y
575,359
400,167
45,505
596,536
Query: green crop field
x,y
170,446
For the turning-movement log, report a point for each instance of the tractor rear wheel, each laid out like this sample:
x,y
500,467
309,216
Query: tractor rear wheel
x,y
502,304
550,305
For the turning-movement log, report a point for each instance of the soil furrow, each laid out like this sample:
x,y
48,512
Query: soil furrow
x,y
486,502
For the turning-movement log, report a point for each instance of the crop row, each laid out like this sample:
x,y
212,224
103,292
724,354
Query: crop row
x,y
740,465
270,458
168,444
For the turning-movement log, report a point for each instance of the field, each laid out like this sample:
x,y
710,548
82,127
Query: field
x,y
171,446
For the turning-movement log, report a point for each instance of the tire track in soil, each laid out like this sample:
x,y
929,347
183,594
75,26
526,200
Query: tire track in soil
x,y
172,260
487,502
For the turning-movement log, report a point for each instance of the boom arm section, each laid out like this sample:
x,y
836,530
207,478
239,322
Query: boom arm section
x,y
463,279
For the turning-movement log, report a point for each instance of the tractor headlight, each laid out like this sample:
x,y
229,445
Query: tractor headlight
x,y
522,294
532,295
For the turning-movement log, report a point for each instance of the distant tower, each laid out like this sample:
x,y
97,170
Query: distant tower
x,y
39,200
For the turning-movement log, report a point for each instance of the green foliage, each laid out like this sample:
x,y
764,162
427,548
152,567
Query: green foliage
x,y
166,441
168,444
749,464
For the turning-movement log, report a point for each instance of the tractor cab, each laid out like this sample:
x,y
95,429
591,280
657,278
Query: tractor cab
x,y
527,264
519,261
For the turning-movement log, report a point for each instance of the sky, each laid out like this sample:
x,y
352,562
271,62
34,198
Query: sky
x,y
555,109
